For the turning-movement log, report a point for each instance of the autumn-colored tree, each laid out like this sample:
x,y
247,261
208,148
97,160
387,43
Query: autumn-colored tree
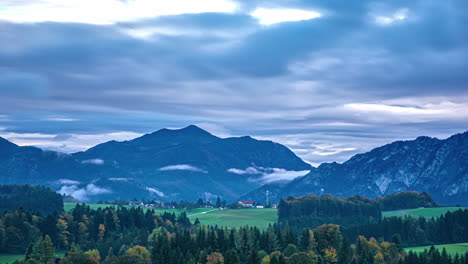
x,y
329,256
93,255
141,252
62,233
215,258
102,231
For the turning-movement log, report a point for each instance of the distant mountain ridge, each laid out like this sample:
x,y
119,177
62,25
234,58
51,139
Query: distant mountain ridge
x,y
186,163
439,167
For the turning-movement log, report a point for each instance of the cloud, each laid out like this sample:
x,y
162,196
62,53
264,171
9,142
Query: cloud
x,y
399,16
65,142
249,170
83,194
120,179
272,16
268,175
60,119
93,161
184,167
68,181
156,191
280,175
88,11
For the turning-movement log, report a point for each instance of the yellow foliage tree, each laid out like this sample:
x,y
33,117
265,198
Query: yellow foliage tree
x,y
215,258
93,255
329,255
140,252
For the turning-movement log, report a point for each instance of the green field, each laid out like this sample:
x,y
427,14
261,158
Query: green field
x,y
238,217
10,258
263,217
69,206
452,249
425,212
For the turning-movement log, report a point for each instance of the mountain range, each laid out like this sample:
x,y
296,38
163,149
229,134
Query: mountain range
x,y
439,167
191,163
187,163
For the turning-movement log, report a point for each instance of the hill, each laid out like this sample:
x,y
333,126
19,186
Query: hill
x,y
438,167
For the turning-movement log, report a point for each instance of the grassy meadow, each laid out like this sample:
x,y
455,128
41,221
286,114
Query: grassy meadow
x,y
69,206
238,217
424,212
10,258
452,249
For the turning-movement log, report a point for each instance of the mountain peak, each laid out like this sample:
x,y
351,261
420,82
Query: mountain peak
x,y
193,129
187,134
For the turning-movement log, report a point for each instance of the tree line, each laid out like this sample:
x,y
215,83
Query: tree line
x,y
406,200
452,227
313,210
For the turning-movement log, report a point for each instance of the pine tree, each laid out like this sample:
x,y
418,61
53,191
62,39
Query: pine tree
x,y
253,258
48,249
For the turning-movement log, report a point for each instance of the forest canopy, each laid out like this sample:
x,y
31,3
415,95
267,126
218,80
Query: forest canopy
x,y
30,197
312,210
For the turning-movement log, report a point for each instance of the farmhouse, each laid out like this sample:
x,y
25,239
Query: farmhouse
x,y
246,203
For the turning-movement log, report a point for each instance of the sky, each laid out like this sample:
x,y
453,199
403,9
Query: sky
x,y
328,78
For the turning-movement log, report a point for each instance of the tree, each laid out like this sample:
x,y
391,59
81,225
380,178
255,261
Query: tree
x,y
290,250
62,233
215,258
101,232
329,256
396,239
328,235
231,257
200,203
253,258
43,250
301,258
140,252
93,255
218,202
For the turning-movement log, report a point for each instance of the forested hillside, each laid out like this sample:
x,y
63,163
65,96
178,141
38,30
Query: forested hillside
x,y
311,211
29,197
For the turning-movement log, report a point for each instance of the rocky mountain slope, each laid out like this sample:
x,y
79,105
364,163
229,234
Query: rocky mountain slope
x,y
439,167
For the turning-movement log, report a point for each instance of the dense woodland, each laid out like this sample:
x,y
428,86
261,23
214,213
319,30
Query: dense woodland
x,y
312,210
120,235
30,197
451,227
406,200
